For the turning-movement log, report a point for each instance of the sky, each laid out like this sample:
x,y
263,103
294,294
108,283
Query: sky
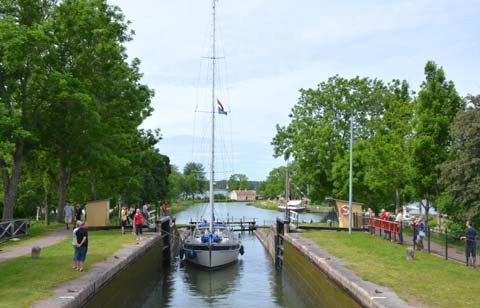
x,y
271,49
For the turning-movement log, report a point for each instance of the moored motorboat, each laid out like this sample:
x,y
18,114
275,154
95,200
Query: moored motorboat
x,y
293,205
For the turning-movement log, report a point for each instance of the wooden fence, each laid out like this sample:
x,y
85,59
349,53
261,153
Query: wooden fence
x,y
13,228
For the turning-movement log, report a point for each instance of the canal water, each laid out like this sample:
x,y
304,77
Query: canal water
x,y
253,281
240,210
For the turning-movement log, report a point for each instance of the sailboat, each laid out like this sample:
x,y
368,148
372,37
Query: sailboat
x,y
210,244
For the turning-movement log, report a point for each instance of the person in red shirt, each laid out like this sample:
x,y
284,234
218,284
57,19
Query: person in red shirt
x,y
383,214
164,208
137,219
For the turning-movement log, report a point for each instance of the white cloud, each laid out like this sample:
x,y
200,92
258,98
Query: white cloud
x,y
274,48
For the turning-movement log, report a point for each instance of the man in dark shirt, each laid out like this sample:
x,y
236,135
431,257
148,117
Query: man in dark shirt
x,y
78,213
82,244
470,244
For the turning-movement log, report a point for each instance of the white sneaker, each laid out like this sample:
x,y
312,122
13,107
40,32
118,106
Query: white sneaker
x,y
137,238
140,238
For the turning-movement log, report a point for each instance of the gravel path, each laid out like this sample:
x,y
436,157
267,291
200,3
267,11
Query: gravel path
x,y
48,239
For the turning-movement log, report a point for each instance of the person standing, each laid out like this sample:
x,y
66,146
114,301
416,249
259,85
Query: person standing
x,y
371,224
145,211
123,219
164,208
82,244
399,221
383,214
470,244
68,214
137,219
78,224
421,233
78,213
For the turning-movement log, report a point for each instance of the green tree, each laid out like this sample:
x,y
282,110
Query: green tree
x,y
237,181
275,183
96,101
386,154
22,49
461,172
318,134
435,108
175,183
195,180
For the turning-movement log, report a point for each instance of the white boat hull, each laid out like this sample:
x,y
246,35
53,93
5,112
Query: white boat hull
x,y
291,208
209,256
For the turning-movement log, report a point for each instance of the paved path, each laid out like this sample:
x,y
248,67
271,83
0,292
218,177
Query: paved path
x,y
50,238
436,248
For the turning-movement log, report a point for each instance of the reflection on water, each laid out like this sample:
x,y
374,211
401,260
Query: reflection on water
x,y
212,284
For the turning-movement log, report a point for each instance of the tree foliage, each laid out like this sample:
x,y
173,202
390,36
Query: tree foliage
x,y
461,172
71,106
399,139
237,181
194,179
435,108
318,135
275,183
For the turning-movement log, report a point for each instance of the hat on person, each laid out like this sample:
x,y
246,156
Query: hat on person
x,y
79,223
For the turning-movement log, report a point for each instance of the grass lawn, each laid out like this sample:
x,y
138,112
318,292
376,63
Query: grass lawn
x,y
25,280
36,229
268,205
318,224
179,206
427,279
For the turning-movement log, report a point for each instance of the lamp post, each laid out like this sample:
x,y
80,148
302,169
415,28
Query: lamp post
x,y
350,178
287,193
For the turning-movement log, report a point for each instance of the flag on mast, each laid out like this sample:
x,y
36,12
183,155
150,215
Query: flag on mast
x,y
221,110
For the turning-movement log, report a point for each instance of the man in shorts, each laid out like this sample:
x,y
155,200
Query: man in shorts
x,y
82,244
68,214
470,244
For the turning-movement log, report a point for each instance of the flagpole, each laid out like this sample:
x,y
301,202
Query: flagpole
x,y
350,178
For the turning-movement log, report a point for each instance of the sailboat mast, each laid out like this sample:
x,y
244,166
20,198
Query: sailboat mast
x,y
212,152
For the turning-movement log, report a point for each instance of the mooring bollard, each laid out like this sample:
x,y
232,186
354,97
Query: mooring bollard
x,y
410,253
36,252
